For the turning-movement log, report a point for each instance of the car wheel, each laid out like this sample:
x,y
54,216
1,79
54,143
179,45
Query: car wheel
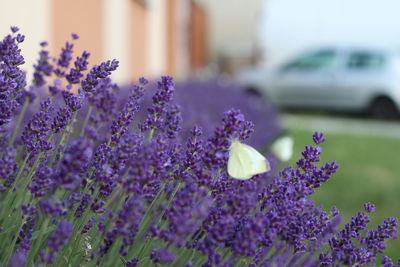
x,y
384,108
253,92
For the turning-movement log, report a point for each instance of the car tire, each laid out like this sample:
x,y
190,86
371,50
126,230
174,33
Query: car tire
x,y
384,108
253,92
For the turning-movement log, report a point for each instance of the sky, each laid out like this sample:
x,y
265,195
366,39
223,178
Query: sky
x,y
290,26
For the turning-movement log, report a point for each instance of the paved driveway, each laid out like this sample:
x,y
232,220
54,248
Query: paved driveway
x,y
345,125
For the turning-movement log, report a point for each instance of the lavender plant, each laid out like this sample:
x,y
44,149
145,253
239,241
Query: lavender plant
x,y
202,102
86,183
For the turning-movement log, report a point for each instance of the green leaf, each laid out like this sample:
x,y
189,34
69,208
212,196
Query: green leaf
x,y
8,229
122,259
44,232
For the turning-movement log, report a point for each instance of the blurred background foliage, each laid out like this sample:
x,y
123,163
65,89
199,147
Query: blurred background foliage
x,y
369,172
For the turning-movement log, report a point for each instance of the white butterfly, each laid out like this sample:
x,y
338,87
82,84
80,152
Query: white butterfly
x,y
283,148
244,161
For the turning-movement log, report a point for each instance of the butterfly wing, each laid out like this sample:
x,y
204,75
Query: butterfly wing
x,y
259,163
238,163
283,148
245,162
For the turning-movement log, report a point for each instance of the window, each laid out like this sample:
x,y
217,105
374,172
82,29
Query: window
x,y
365,60
321,60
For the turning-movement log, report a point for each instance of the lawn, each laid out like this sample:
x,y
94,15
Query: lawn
x,y
369,171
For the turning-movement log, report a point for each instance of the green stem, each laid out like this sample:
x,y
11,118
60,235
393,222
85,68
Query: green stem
x,y
24,196
85,122
146,221
63,139
21,170
113,196
12,245
144,247
10,193
20,118
37,244
150,136
270,253
169,202
55,152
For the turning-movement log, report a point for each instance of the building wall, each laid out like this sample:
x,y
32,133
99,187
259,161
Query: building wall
x,y
232,29
138,35
171,37
33,18
148,37
82,17
198,37
156,41
116,40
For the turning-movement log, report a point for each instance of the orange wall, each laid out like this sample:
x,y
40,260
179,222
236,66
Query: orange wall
x,y
198,36
137,32
87,18
84,17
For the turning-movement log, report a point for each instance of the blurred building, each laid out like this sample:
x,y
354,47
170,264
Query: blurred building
x,y
149,37
233,32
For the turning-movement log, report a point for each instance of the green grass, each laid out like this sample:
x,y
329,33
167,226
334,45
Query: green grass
x,y
369,172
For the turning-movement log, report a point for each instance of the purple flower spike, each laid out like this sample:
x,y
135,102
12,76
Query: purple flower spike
x,y
387,262
173,120
64,59
369,207
18,259
12,78
8,165
66,55
20,38
75,36
74,102
120,126
42,182
156,116
62,119
74,164
143,81
36,133
43,67
132,263
233,126
56,241
53,207
97,73
162,255
81,63
60,236
14,29
318,138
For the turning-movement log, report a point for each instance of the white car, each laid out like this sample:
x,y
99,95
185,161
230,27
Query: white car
x,y
341,79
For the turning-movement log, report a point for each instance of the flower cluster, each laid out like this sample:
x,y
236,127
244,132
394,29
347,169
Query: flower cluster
x,y
99,179
12,78
202,102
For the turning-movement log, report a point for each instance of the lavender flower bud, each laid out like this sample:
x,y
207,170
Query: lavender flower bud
x,y
56,241
62,119
318,138
8,165
369,207
162,255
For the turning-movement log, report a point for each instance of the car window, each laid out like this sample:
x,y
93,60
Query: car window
x,y
365,61
321,60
